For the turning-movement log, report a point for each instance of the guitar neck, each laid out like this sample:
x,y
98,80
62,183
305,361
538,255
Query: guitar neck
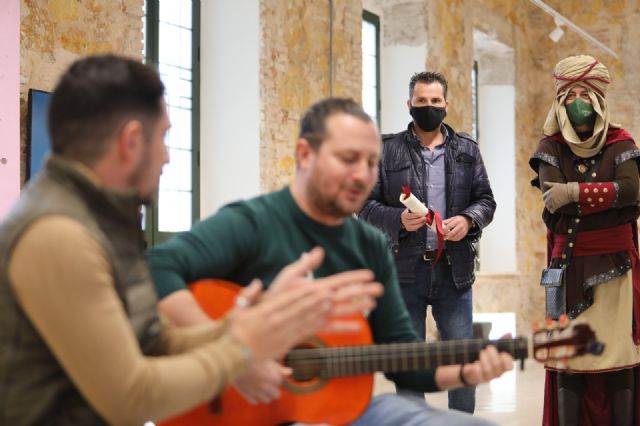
x,y
395,357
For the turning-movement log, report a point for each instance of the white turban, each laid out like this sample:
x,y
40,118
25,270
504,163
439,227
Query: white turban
x,y
588,72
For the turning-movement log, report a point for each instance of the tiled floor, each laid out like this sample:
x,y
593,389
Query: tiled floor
x,y
515,399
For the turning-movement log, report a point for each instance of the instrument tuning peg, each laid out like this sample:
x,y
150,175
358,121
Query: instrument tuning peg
x,y
563,321
535,326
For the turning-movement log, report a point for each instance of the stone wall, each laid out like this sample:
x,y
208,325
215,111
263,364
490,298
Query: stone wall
x,y
54,33
298,67
450,47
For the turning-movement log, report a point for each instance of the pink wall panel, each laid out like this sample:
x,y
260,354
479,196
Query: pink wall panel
x,y
9,104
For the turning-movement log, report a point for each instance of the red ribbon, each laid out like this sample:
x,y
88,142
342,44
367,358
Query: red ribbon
x,y
431,216
439,231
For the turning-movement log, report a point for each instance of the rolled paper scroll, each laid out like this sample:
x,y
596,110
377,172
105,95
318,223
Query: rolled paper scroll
x,y
412,203
434,220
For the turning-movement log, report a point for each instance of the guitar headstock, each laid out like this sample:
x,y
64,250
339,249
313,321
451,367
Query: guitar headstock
x,y
561,340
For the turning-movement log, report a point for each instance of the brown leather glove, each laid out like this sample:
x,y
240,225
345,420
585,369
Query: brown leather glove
x,y
560,194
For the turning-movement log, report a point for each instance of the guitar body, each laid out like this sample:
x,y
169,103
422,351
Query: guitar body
x,y
334,370
335,401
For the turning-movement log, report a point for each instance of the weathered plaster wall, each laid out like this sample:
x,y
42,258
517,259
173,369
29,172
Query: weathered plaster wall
x,y
404,23
54,33
296,71
450,46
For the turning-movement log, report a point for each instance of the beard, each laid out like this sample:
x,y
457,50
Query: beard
x,y
331,204
137,179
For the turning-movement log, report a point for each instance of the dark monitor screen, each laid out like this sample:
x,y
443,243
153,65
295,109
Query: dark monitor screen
x,y
39,143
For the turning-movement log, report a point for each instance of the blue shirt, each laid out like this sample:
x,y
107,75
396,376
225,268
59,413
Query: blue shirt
x,y
434,173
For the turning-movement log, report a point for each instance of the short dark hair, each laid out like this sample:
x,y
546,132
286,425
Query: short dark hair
x,y
94,98
428,77
313,125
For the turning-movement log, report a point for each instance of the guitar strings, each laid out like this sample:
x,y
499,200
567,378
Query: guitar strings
x,y
345,360
399,348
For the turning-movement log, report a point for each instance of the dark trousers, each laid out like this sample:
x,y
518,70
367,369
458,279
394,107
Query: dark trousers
x,y
451,309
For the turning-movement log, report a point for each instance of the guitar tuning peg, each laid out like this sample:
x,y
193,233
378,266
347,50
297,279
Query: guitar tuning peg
x,y
549,324
535,326
563,321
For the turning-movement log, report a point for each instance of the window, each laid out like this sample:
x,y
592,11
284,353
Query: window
x,y
172,46
474,131
474,94
371,65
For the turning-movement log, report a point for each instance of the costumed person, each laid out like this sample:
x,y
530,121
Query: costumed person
x,y
587,170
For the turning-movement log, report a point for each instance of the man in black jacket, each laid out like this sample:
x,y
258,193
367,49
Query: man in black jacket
x,y
444,169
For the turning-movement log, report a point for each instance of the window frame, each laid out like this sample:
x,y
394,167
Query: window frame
x,y
374,19
152,53
476,136
475,100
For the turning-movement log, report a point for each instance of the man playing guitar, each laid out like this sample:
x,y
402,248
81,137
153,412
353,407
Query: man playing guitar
x,y
337,156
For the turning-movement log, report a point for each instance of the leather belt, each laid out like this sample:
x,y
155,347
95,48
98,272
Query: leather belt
x,y
429,255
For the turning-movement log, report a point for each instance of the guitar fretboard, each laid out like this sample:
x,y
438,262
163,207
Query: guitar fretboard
x,y
392,358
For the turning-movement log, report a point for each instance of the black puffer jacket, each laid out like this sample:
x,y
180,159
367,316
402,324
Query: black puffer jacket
x,y
468,194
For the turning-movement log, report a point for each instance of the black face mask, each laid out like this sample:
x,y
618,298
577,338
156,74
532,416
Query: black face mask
x,y
428,118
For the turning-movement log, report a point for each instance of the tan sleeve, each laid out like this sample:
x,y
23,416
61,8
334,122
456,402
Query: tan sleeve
x,y
177,339
63,282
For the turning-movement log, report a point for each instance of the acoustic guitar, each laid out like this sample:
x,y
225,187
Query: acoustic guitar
x,y
332,380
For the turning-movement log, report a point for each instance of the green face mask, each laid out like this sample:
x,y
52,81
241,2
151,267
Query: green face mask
x,y
580,112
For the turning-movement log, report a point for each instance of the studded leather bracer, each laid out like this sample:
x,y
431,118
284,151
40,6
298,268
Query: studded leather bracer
x,y
597,196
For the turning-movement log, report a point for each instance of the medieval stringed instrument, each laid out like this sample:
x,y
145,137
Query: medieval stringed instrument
x,y
332,380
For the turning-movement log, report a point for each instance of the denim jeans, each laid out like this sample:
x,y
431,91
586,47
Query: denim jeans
x,y
452,312
394,410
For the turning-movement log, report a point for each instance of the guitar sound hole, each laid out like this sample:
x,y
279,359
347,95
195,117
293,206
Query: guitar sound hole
x,y
306,367
304,376
303,381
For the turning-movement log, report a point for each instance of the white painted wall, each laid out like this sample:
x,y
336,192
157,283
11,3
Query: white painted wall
x,y
496,110
398,64
9,105
230,103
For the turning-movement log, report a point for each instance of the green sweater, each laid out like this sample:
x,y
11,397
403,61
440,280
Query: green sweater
x,y
257,238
